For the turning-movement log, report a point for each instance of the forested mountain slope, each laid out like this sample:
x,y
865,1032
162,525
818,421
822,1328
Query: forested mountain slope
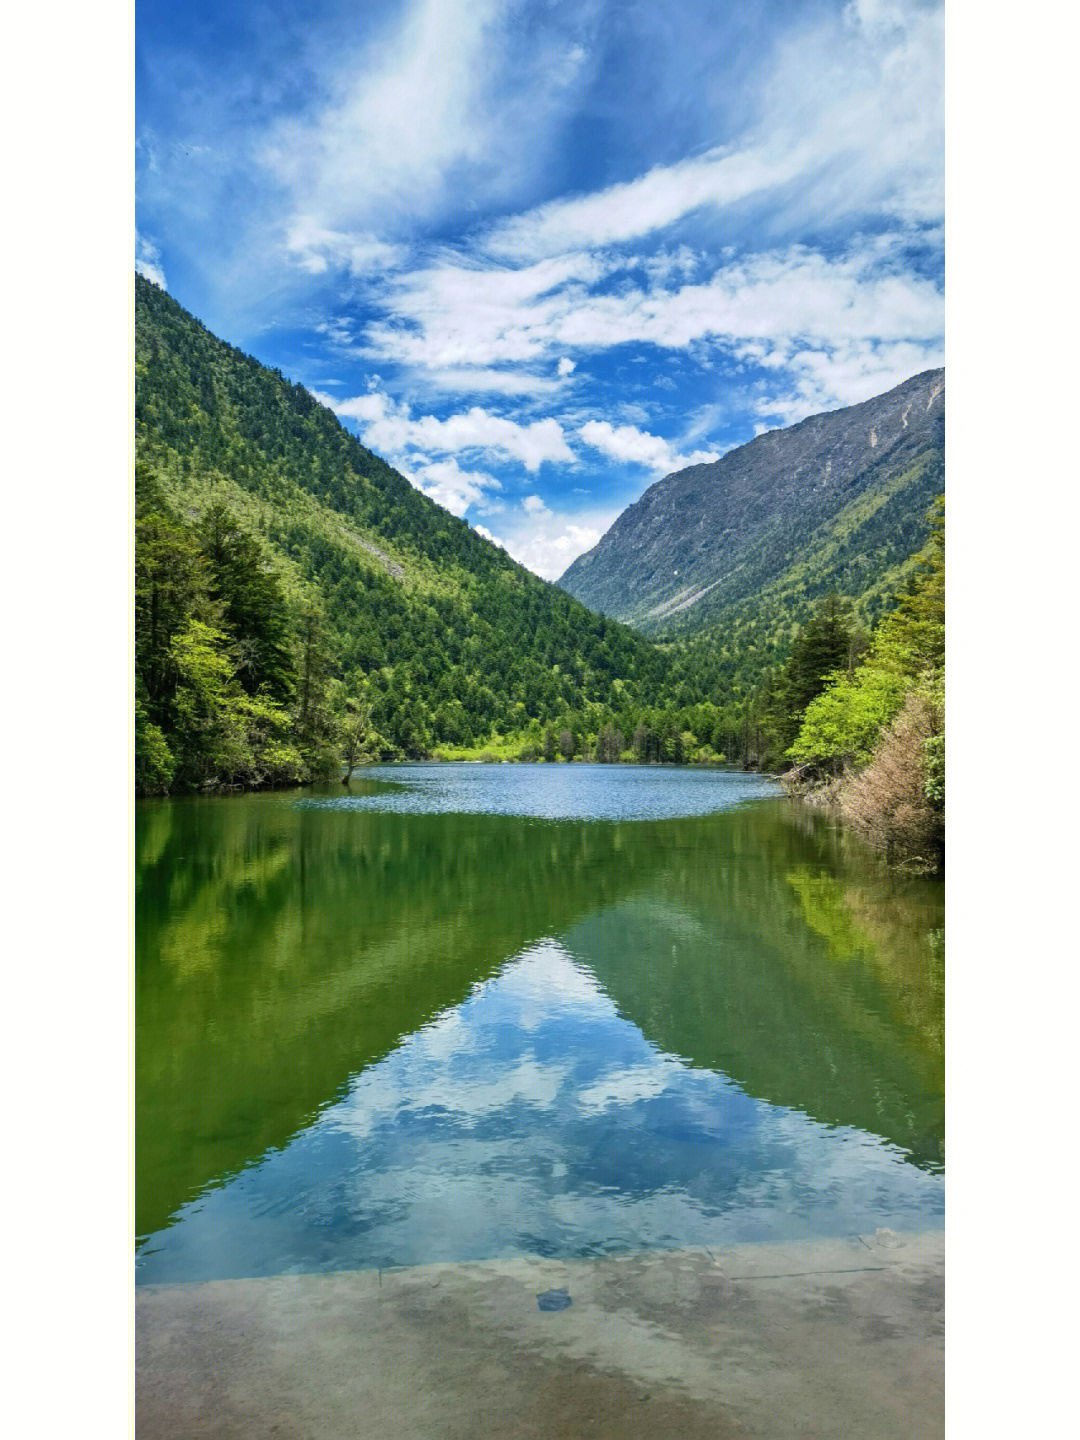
x,y
744,546
448,637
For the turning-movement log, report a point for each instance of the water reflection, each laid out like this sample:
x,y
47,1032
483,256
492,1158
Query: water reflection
x,y
533,1118
368,1037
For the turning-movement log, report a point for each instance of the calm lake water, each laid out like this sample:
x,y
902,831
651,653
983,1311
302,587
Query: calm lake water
x,y
460,1012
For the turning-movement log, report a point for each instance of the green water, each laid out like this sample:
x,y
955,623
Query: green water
x,y
433,1020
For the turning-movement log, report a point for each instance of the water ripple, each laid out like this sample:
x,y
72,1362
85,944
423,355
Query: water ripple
x,y
549,792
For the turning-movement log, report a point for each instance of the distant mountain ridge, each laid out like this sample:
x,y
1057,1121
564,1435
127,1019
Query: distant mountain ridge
x,y
837,501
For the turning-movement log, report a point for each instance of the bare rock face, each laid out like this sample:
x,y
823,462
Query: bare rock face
x,y
835,500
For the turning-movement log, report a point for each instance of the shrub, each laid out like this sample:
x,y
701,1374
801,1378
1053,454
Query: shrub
x,y
842,725
888,802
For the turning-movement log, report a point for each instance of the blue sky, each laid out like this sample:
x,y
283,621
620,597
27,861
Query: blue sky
x,y
539,254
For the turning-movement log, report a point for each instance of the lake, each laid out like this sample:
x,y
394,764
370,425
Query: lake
x,y
460,1013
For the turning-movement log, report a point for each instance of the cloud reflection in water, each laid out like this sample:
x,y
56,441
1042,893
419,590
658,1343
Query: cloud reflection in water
x,y
534,1118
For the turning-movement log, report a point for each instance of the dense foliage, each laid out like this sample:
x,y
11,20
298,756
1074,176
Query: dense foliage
x,y
907,651
220,696
885,721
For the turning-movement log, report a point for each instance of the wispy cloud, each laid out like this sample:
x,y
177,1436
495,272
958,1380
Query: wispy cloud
x,y
317,249
452,314
636,208
396,119
811,380
469,380
420,115
864,133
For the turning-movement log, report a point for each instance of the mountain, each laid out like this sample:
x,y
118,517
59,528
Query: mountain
x,y
451,638
744,545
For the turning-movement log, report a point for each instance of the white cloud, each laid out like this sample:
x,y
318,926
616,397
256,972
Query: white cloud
x,y
812,380
463,380
317,249
455,489
148,260
397,119
637,447
636,208
773,295
388,428
441,317
566,366
680,263
338,331
450,314
876,107
701,421
547,541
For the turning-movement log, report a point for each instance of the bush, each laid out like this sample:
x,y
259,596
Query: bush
x,y
842,725
888,802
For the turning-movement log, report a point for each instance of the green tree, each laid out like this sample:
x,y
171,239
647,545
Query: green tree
x,y
170,587
841,725
210,737
609,744
911,638
315,723
825,645
355,726
887,719
155,764
253,606
549,747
